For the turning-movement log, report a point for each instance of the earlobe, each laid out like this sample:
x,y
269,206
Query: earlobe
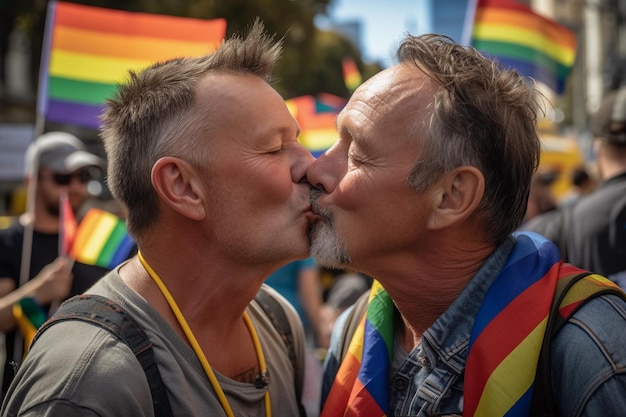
x,y
456,197
178,186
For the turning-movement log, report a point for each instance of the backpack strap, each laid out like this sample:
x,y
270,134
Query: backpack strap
x,y
110,316
277,316
588,286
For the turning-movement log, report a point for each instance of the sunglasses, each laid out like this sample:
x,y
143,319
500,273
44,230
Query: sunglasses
x,y
83,176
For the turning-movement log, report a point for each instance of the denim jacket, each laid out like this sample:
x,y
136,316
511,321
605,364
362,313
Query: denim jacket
x,y
588,356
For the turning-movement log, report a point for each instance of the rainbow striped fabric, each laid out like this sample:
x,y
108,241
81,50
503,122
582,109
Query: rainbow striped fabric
x,y
518,38
89,50
102,240
317,119
501,362
362,378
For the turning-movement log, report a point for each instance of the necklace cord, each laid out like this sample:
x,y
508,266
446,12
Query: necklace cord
x,y
198,350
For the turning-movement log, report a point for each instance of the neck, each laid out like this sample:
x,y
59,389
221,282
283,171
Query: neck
x,y
187,312
425,285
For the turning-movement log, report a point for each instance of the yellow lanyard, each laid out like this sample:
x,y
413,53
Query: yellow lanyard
x,y
198,350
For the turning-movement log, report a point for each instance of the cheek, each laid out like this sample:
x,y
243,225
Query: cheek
x,y
272,187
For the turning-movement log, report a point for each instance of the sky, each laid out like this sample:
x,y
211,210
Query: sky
x,y
384,23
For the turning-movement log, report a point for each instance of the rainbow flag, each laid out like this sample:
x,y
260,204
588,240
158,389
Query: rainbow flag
x,y
360,386
88,51
102,240
351,75
518,38
67,225
317,119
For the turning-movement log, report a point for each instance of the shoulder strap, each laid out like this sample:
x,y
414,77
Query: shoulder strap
x,y
589,286
277,316
105,313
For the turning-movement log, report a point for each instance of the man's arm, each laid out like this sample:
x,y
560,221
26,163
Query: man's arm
x,y
78,369
52,283
589,360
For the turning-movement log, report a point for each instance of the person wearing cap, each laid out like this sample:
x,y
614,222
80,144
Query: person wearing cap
x,y
55,163
592,232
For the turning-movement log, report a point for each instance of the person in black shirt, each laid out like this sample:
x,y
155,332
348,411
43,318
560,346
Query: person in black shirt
x,y
57,162
592,232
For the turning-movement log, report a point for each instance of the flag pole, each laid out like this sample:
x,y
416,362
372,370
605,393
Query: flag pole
x,y
468,24
31,191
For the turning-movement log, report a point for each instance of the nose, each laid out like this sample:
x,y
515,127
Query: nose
x,y
301,163
326,172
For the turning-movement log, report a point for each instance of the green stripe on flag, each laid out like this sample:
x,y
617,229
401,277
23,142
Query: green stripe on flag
x,y
522,53
110,247
79,91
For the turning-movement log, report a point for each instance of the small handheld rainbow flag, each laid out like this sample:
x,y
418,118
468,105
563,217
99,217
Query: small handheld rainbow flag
x,y
29,316
102,240
88,51
518,38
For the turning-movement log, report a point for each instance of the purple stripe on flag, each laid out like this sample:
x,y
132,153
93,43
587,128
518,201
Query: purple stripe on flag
x,y
87,115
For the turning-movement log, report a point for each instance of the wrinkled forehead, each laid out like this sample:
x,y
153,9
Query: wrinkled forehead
x,y
399,98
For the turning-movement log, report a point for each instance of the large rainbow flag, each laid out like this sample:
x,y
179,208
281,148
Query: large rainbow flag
x,y
361,381
521,39
89,50
101,239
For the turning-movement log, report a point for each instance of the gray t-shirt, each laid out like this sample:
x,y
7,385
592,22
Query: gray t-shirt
x,y
79,369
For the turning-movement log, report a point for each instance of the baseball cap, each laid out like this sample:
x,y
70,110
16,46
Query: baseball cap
x,y
609,123
61,152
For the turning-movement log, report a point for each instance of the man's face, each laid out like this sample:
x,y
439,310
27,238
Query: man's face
x,y
51,185
368,213
259,200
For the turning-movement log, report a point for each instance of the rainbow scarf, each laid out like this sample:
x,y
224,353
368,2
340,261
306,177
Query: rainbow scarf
x,y
499,371
361,382
502,358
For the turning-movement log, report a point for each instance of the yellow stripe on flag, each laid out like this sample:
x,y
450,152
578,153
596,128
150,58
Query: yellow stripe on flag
x,y
94,68
514,372
93,247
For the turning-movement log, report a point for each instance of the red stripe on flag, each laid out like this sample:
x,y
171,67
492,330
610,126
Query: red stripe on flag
x,y
361,400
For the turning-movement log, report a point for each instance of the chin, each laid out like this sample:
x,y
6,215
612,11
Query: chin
x,y
327,248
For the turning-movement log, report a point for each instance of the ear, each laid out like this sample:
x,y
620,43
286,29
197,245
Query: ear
x,y
179,186
456,197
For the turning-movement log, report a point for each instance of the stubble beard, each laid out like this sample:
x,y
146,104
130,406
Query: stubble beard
x,y
326,245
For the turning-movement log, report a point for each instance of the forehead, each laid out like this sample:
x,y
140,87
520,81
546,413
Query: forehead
x,y
396,101
237,105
